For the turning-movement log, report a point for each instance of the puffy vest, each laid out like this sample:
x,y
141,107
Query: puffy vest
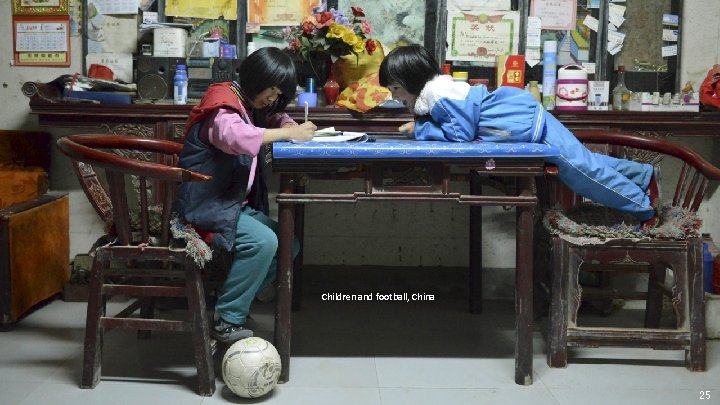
x,y
215,205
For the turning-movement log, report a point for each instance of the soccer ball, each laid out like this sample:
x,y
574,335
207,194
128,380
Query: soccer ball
x,y
251,367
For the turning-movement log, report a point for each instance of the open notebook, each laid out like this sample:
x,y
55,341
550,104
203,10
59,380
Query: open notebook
x,y
331,135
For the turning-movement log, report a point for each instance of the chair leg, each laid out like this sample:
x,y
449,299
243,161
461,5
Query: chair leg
x,y
606,284
200,331
654,300
695,358
92,357
147,311
557,335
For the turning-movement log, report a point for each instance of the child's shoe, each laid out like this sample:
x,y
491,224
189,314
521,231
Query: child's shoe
x,y
227,332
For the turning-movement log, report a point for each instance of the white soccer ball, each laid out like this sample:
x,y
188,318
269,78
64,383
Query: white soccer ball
x,y
251,367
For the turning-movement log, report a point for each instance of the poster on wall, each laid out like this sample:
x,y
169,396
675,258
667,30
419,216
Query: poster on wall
x,y
40,7
483,35
212,9
279,12
555,14
41,40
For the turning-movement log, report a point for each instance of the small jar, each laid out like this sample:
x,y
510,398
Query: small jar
x,y
460,76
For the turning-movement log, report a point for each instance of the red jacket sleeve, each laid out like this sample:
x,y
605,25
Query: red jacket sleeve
x,y
710,88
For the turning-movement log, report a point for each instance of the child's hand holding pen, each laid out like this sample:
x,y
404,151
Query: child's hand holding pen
x,y
304,132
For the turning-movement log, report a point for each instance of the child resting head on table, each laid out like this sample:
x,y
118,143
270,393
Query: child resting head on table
x,y
452,111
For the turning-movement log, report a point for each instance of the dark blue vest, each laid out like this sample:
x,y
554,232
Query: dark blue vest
x,y
215,205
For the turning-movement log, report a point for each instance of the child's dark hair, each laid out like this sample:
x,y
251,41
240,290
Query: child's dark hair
x,y
265,68
409,66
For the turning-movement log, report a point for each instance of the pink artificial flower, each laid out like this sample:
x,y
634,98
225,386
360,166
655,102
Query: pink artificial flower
x,y
365,26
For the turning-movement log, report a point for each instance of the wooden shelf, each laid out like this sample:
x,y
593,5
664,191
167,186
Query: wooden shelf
x,y
168,119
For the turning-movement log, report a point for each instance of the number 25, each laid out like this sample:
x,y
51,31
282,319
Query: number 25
x,y
704,394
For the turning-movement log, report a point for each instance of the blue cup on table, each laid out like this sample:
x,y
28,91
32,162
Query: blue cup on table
x,y
309,98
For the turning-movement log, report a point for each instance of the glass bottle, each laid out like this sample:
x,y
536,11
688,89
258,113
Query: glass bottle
x,y
620,93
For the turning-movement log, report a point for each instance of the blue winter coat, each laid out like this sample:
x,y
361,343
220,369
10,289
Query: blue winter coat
x,y
457,112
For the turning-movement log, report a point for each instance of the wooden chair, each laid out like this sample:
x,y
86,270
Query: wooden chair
x,y
143,261
674,246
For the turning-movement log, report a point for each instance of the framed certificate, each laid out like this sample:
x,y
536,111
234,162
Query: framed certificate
x,y
40,7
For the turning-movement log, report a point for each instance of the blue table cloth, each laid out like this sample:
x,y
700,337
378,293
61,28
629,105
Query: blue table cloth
x,y
403,148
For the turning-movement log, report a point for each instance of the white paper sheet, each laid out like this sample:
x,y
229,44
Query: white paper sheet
x,y
346,136
120,63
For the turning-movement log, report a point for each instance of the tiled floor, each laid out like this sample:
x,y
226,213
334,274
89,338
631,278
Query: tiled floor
x,y
365,353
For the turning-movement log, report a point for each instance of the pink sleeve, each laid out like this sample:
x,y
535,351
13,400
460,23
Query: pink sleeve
x,y
279,120
231,134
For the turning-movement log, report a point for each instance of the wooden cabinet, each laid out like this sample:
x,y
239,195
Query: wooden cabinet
x,y
34,250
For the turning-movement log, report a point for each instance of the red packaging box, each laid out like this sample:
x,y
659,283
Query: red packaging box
x,y
511,71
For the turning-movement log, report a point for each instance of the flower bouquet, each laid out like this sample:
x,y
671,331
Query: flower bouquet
x,y
331,33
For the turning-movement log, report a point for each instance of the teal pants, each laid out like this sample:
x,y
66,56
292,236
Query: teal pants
x,y
254,265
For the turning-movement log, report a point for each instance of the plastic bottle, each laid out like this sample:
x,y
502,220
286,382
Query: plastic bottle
x,y
251,47
180,84
707,268
620,93
549,73
534,90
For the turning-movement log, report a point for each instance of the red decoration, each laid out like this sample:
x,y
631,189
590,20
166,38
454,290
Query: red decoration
x,y
331,89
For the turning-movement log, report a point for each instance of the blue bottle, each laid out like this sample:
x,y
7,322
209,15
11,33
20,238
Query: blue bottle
x,y
549,74
707,268
180,84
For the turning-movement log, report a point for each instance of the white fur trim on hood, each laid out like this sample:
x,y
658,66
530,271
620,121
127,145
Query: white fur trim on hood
x,y
437,88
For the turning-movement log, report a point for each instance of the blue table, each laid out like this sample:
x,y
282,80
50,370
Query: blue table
x,y
437,163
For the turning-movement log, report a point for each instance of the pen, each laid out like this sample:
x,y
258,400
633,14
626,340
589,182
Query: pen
x,y
306,111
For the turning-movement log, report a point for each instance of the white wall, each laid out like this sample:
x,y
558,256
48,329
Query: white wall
x,y
388,234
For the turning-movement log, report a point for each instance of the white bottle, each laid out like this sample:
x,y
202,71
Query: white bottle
x,y
251,47
180,84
